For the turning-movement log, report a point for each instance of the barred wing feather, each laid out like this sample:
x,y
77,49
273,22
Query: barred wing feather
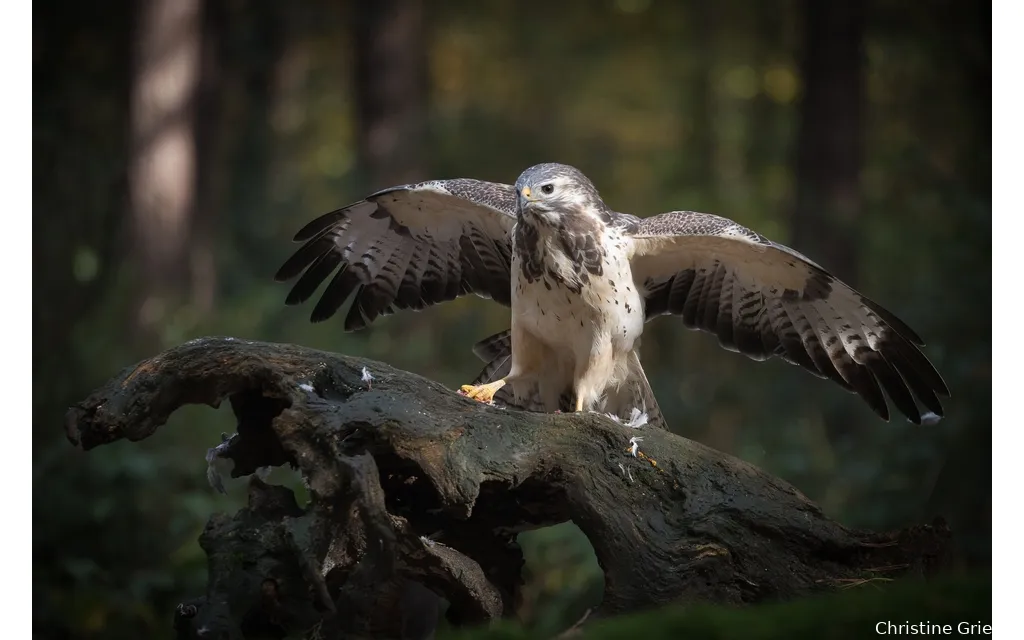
x,y
407,247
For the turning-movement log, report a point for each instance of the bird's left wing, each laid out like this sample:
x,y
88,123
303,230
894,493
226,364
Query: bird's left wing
x,y
764,299
407,247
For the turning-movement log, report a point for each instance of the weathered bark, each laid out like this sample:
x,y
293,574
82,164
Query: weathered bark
x,y
410,481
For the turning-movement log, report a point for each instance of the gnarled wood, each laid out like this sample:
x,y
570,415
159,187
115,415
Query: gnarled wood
x,y
410,481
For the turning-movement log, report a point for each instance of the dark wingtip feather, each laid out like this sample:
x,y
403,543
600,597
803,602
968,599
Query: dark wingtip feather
x,y
296,297
313,277
319,225
318,316
866,386
354,320
370,302
881,410
339,290
304,256
924,392
895,387
920,364
292,267
890,318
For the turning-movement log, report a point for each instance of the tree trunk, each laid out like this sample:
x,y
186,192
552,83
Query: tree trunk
x,y
391,89
210,170
829,151
410,481
162,171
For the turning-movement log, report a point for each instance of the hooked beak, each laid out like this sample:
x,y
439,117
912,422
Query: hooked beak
x,y
526,194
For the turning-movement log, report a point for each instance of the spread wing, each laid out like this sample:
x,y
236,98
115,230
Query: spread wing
x,y
764,299
407,247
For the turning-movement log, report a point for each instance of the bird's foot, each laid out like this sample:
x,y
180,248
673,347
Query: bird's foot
x,y
483,392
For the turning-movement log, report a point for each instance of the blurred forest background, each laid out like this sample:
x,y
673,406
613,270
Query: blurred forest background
x,y
179,144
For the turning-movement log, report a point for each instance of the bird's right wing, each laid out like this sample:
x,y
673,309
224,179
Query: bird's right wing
x,y
407,247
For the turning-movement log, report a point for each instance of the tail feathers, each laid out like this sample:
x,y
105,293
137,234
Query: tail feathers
x,y
490,349
498,367
634,393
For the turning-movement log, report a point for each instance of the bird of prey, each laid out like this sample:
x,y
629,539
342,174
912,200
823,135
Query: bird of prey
x,y
582,280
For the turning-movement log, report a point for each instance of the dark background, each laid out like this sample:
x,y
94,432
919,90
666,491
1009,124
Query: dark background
x,y
179,144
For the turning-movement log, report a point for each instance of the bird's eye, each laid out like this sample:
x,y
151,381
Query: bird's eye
x,y
547,189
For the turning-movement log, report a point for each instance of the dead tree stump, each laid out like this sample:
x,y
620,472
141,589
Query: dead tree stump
x,y
391,463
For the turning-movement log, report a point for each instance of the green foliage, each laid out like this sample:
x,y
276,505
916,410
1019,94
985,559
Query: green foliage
x,y
562,578
851,613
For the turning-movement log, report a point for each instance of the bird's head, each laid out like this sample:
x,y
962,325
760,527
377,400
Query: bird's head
x,y
551,192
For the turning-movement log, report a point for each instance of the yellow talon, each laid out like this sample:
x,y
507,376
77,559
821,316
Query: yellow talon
x,y
483,392
579,404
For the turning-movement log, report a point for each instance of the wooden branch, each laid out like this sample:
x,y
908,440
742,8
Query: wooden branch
x,y
410,481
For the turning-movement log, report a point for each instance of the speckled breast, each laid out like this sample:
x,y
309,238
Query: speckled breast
x,y
559,301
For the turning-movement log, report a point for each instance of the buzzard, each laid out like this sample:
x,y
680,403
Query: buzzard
x,y
582,281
